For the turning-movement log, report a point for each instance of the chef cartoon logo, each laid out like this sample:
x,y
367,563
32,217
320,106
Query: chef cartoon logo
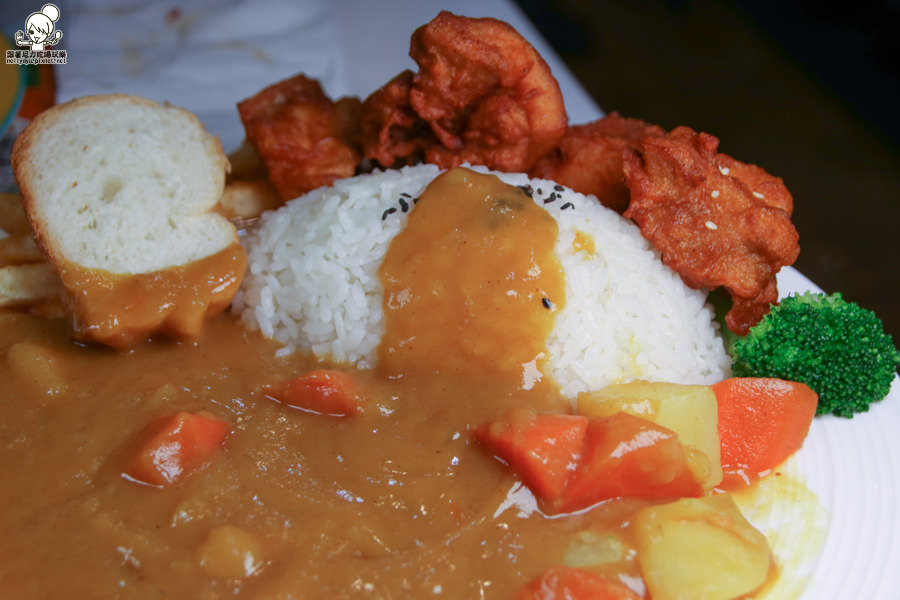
x,y
39,35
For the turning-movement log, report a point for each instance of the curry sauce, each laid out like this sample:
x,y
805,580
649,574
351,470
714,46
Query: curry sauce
x,y
396,500
472,284
119,309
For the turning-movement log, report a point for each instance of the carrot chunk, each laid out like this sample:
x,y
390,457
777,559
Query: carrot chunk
x,y
322,391
762,422
542,448
568,583
171,447
625,455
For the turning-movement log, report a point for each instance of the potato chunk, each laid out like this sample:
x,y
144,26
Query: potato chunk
x,y
700,549
38,366
229,552
688,410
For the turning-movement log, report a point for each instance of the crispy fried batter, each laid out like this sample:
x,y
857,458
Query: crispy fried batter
x,y
747,312
482,95
717,222
391,132
304,138
767,188
486,93
588,158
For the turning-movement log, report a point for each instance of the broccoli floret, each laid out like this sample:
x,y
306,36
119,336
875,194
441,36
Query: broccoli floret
x,y
837,348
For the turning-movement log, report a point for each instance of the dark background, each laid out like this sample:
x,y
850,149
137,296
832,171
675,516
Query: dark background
x,y
810,91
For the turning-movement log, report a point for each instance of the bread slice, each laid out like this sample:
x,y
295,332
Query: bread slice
x,y
119,191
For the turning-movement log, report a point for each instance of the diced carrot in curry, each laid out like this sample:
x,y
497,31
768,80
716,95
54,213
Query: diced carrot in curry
x,y
572,461
173,446
321,391
628,456
542,448
762,422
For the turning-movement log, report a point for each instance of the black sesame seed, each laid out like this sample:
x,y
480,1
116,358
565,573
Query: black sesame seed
x,y
552,197
566,205
546,302
405,195
389,211
404,205
558,188
527,189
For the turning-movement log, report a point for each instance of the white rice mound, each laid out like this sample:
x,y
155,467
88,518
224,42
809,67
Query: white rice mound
x,y
312,284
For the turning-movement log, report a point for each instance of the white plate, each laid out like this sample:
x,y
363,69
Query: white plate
x,y
843,541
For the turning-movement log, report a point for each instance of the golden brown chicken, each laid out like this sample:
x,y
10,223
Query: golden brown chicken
x,y
305,139
391,133
486,94
716,221
588,158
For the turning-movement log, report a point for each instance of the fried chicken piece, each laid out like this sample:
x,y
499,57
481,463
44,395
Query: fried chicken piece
x,y
716,221
304,138
747,312
767,188
588,158
391,132
487,95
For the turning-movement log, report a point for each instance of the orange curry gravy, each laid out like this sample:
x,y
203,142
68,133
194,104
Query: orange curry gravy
x,y
472,284
120,310
397,501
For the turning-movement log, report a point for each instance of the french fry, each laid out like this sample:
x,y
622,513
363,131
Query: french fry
x,y
245,200
29,285
12,214
18,250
